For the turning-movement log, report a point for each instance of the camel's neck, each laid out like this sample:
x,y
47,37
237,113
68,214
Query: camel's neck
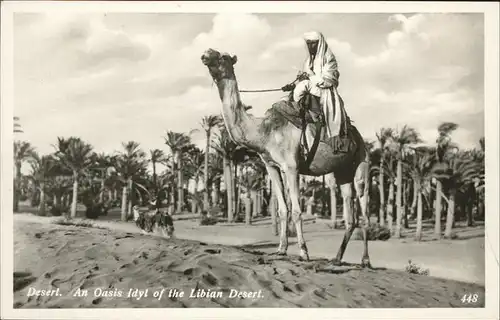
x,y
241,126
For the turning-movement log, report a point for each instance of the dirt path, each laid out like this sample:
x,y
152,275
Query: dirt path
x,y
67,258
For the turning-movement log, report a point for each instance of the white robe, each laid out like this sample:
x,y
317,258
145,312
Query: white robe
x,y
325,70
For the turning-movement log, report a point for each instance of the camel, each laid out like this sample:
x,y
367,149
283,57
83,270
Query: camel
x,y
278,143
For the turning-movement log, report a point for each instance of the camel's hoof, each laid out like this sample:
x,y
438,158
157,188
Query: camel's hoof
x,y
336,262
366,264
304,257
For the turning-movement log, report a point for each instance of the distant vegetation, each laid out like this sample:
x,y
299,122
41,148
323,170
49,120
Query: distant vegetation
x,y
410,182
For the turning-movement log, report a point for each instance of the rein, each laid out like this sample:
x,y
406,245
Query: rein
x,y
267,90
262,90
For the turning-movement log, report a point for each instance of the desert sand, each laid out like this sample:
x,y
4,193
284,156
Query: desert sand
x,y
68,258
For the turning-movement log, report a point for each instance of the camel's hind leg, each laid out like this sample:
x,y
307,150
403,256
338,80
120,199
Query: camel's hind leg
x,y
292,179
346,190
361,185
279,186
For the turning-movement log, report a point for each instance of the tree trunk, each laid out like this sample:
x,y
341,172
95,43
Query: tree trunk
x,y
438,210
260,202
470,207
450,216
254,198
124,204
74,200
171,205
194,206
390,205
332,185
234,188
248,208
101,193
42,199
237,189
216,193
180,184
399,193
405,204
310,205
228,181
17,187
205,173
418,235
381,186
323,199
413,210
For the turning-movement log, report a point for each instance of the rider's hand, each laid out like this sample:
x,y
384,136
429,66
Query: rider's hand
x,y
302,76
288,87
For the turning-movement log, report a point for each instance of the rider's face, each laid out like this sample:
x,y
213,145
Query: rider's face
x,y
312,46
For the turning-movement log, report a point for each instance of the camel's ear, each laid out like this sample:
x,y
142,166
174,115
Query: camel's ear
x,y
234,59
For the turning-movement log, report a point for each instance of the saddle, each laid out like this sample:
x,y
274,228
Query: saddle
x,y
307,112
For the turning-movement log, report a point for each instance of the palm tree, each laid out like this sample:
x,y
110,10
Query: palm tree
x,y
208,123
420,170
456,174
42,168
403,139
130,164
101,163
216,173
226,148
22,152
194,159
156,156
75,155
444,147
390,172
384,136
178,143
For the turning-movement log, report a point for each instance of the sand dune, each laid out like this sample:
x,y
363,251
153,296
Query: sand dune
x,y
68,258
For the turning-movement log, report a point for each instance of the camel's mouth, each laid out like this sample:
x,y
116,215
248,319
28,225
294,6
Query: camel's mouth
x,y
209,57
205,60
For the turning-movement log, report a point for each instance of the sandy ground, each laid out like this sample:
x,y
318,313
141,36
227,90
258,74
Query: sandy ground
x,y
68,258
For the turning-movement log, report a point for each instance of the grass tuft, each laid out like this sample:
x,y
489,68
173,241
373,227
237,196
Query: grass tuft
x,y
77,223
413,268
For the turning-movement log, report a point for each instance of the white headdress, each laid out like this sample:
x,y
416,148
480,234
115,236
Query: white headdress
x,y
323,53
312,36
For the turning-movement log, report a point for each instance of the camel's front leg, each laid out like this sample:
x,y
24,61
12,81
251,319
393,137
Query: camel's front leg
x,y
277,181
346,190
292,178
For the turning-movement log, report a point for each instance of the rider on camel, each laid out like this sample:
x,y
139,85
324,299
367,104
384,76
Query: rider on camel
x,y
319,80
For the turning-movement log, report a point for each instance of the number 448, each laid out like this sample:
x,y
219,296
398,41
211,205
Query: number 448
x,y
470,298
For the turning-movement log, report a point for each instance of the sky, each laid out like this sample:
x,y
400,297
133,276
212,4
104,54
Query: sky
x,y
116,77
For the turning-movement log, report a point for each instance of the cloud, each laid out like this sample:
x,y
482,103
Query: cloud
x,y
116,77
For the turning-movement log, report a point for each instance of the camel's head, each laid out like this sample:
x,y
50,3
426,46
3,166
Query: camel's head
x,y
220,65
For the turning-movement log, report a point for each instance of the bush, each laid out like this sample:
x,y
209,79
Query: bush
x,y
95,210
57,210
375,232
413,268
207,221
